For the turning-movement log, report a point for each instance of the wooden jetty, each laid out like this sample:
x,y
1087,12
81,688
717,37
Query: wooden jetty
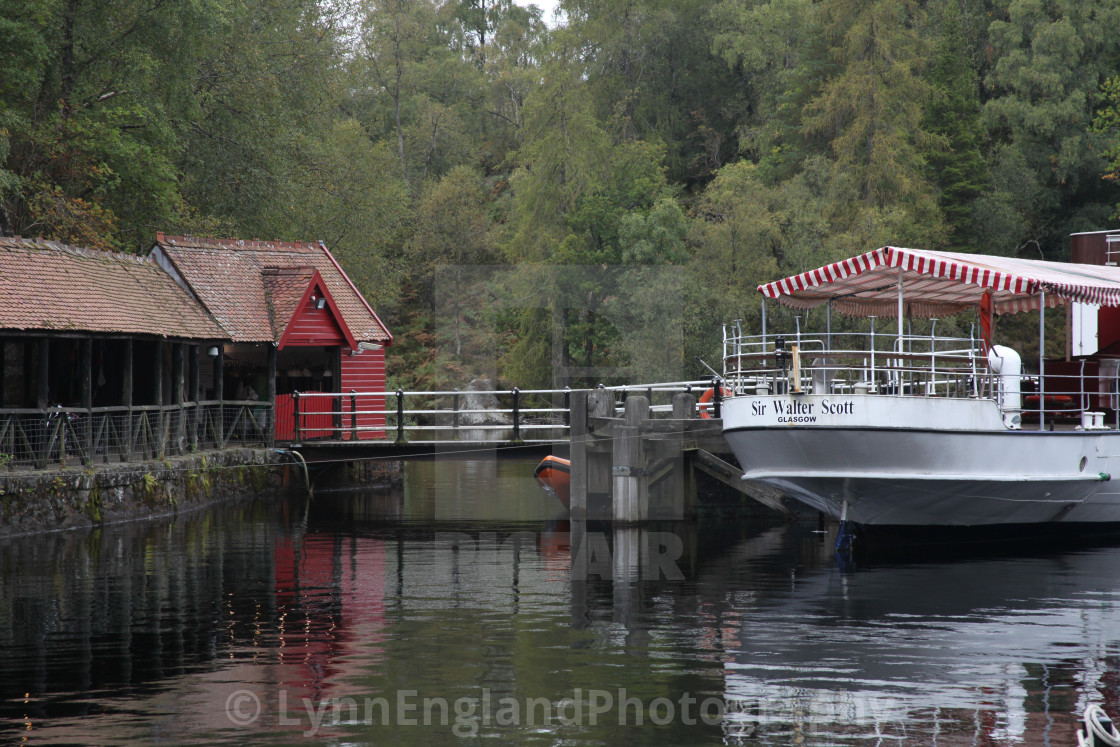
x,y
634,468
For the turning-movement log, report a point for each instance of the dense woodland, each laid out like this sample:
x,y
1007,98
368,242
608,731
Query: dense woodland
x,y
562,200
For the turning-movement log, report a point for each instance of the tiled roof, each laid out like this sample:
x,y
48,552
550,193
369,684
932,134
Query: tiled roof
x,y
283,289
45,285
227,275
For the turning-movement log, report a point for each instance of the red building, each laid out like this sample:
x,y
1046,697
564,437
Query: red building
x,y
296,323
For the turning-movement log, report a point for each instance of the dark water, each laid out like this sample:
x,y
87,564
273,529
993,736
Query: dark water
x,y
452,612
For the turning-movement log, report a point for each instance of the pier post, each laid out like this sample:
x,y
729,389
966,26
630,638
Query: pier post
x,y
590,457
684,406
630,472
681,483
600,406
578,438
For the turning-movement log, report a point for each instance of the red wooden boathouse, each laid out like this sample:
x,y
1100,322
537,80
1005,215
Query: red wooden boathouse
x,y
296,324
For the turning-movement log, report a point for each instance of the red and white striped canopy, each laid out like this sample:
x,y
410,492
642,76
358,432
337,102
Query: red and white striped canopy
x,y
940,283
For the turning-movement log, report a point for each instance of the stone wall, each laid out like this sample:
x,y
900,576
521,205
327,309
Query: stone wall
x,y
85,497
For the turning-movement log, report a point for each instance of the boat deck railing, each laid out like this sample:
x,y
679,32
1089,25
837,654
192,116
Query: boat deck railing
x,y
858,363
920,366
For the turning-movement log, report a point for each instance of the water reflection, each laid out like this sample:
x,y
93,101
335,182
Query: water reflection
x,y
485,613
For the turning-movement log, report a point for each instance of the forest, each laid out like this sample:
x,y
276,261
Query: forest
x,y
564,200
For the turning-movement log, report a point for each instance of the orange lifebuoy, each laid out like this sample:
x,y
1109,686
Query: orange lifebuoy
x,y
706,397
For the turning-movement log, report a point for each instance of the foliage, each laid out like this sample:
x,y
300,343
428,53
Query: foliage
x,y
638,168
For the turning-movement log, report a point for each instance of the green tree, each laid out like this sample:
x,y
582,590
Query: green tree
x,y
87,93
954,114
1051,59
265,98
871,110
563,153
765,43
652,76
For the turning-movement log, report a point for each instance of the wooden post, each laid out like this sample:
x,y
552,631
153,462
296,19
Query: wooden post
x,y
42,382
178,387
630,471
600,405
42,377
270,414
220,395
126,374
85,385
178,373
27,391
680,484
516,415
3,369
193,396
578,438
157,374
684,406
126,399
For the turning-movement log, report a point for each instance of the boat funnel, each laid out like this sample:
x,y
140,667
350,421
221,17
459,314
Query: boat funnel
x,y
1006,363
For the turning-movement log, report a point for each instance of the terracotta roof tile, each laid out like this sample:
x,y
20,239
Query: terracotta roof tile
x,y
45,285
227,276
283,289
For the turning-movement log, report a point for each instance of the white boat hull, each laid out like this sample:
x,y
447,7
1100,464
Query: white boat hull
x,y
914,461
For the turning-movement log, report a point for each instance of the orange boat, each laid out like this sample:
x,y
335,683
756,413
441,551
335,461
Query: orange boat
x,y
554,476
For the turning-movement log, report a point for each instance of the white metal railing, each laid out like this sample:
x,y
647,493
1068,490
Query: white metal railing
x,y
440,416
1112,250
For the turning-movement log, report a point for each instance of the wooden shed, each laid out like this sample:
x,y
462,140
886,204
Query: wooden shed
x,y
99,357
296,323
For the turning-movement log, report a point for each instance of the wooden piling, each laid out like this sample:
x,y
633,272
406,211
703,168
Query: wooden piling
x,y
684,406
578,442
630,471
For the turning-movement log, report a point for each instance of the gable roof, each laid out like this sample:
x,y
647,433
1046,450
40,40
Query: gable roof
x,y
228,277
938,283
284,288
50,286
289,289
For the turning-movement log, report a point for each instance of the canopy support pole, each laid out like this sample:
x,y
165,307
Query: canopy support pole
x,y
1042,360
764,324
828,324
900,314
